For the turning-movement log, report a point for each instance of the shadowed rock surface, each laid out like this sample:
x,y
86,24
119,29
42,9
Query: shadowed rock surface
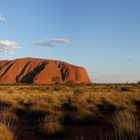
x,y
41,71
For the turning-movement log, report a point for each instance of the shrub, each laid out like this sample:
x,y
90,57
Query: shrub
x,y
107,107
78,92
70,83
68,106
57,80
124,89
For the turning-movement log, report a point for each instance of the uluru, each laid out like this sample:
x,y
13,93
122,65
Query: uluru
x,y
41,71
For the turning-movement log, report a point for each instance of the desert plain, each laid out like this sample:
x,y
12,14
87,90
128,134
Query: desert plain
x,y
70,111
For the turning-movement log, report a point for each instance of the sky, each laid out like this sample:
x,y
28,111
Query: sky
x,y
101,35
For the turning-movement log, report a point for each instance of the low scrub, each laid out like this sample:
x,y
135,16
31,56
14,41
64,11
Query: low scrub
x,y
61,106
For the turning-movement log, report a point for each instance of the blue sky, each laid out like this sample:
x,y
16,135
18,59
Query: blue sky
x,y
101,35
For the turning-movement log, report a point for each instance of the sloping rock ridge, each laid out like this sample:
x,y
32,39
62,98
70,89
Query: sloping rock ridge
x,y
41,71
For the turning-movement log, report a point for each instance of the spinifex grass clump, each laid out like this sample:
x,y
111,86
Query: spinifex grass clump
x,y
126,125
5,133
8,124
51,126
8,115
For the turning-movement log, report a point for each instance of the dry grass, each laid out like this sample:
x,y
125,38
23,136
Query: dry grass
x,y
80,103
50,125
5,133
8,124
8,115
126,124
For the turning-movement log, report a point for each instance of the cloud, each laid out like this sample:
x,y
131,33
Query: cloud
x,y
2,18
60,40
8,46
54,42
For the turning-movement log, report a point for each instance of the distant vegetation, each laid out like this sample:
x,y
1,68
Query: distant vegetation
x,y
75,112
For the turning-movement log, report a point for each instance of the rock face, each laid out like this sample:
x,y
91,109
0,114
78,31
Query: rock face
x,y
41,71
